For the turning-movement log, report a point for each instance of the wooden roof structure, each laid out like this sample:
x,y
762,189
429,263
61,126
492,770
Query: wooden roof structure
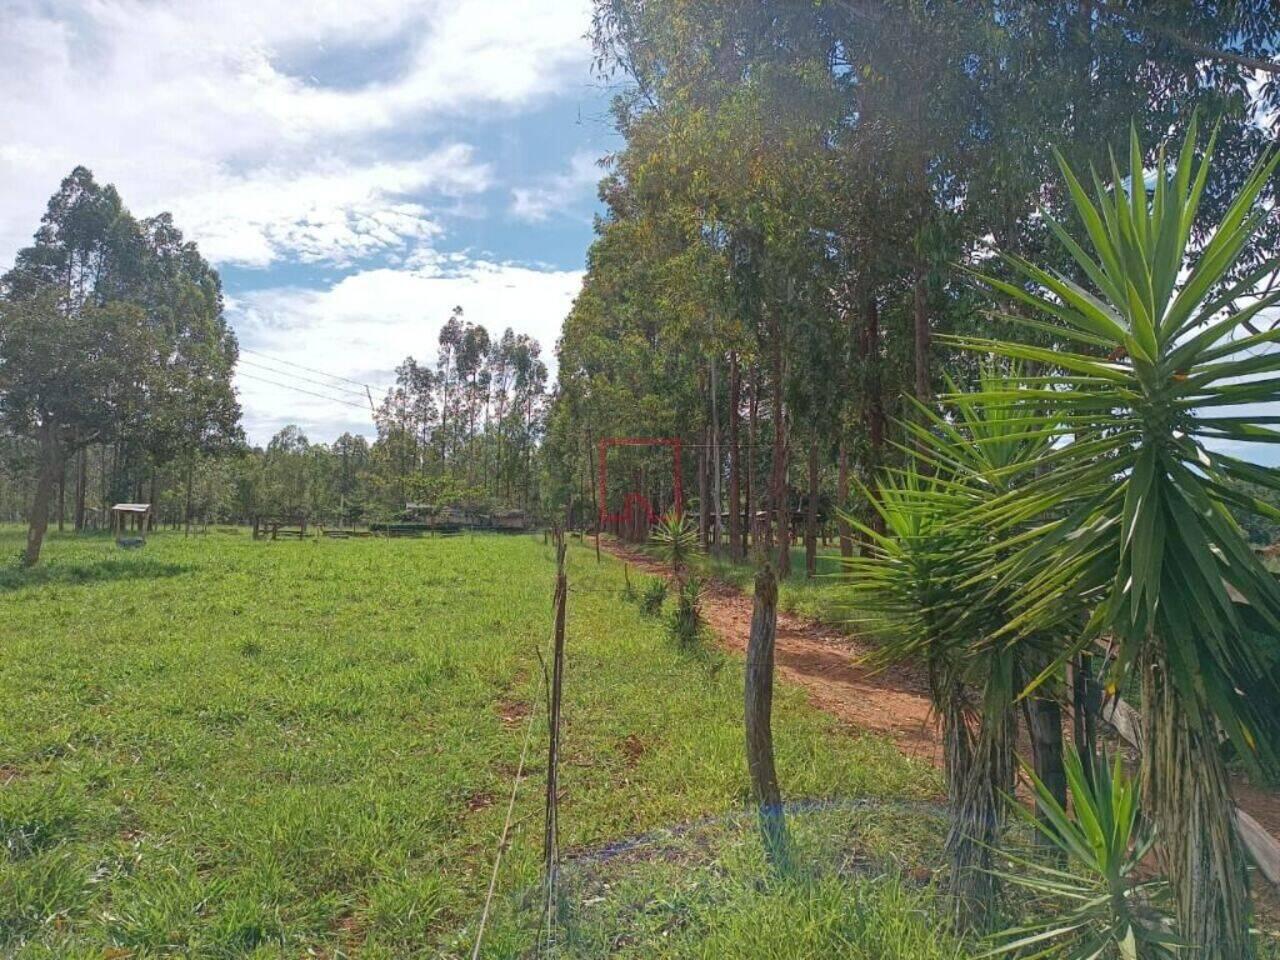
x,y
122,512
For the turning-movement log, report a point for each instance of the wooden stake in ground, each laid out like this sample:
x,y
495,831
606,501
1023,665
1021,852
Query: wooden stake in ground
x,y
758,714
550,837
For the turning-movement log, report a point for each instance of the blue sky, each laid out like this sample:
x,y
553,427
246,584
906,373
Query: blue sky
x,y
353,170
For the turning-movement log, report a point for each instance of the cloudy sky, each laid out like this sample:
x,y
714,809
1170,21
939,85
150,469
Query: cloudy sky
x,y
354,170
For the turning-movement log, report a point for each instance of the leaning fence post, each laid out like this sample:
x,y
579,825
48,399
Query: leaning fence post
x,y
758,702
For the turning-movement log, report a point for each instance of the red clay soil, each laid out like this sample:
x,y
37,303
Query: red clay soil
x,y
894,702
825,663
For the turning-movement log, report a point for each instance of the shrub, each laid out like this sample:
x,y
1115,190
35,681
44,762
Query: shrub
x,y
653,596
686,622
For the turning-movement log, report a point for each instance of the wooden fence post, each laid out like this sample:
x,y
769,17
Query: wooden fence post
x,y
758,702
550,837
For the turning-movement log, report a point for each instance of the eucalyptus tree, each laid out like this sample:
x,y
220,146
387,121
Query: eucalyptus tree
x,y
193,413
351,453
114,333
68,377
1138,489
521,400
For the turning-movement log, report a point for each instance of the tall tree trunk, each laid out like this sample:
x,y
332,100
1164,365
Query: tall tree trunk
x,y
108,479
736,552
758,710
842,501
62,494
716,465
874,419
596,505
704,514
920,318
781,506
1085,703
1044,727
187,510
82,483
1188,797
48,475
752,493
811,514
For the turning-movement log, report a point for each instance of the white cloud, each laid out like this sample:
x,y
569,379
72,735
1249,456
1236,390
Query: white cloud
x,y
318,132
335,213
557,194
176,102
364,324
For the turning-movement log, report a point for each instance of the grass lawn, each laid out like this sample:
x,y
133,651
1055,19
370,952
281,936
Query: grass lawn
x,y
220,748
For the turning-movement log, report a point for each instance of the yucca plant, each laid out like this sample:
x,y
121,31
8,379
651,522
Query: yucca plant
x,y
1135,495
989,448
1099,908
980,449
927,583
676,540
903,590
908,589
653,595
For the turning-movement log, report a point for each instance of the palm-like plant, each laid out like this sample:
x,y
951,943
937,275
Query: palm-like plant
x,y
1102,910
904,590
927,584
1136,493
676,541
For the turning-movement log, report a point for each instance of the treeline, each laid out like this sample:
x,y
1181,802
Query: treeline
x,y
115,359
776,270
470,429
466,433
116,368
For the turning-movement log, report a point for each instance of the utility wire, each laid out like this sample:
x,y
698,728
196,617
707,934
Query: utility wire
x,y
290,363
296,389
302,379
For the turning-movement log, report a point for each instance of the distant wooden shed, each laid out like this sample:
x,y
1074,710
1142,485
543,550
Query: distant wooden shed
x,y
137,514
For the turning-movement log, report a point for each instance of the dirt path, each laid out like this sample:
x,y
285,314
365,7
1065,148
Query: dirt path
x,y
824,662
894,702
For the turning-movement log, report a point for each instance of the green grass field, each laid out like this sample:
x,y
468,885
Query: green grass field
x,y
220,748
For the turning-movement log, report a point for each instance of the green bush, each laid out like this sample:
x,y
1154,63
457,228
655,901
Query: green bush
x,y
653,596
686,622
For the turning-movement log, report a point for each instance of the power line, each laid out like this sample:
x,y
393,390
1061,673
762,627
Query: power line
x,y
290,363
296,389
295,376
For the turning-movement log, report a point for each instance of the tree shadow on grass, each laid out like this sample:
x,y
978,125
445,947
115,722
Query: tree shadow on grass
x,y
76,574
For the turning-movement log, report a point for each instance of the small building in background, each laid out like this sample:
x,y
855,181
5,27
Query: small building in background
x,y
135,516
